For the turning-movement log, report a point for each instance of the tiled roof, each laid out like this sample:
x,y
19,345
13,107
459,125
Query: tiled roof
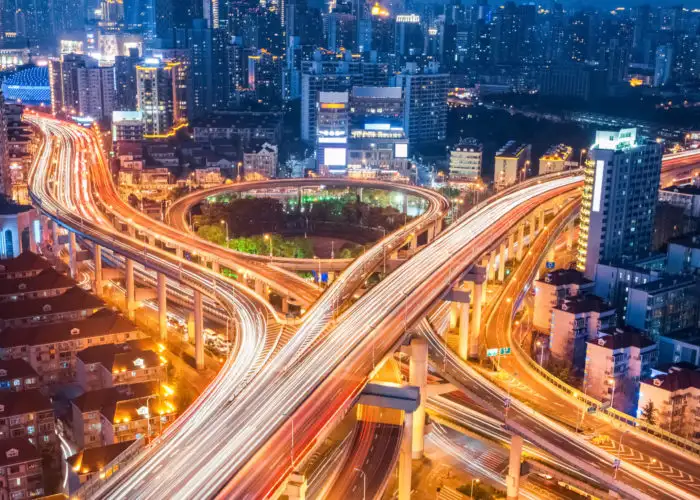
x,y
16,368
26,261
17,451
617,338
48,279
103,322
96,459
19,403
676,380
74,299
105,400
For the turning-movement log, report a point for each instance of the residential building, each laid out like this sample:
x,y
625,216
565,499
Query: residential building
x,y
92,462
663,306
551,291
121,413
377,106
425,103
108,365
612,282
675,399
73,304
17,375
15,223
262,161
378,153
246,126
580,81
51,348
161,96
28,414
682,346
619,199
465,160
24,265
127,126
265,76
556,159
48,283
208,176
574,322
686,197
512,162
80,86
21,470
616,361
683,255
333,126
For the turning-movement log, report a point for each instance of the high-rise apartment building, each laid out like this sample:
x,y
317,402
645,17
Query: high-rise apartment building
x,y
125,80
619,199
511,164
161,89
425,103
79,86
465,160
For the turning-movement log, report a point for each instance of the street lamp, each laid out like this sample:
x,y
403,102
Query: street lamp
x,y
580,157
540,344
267,237
611,381
225,223
364,482
471,492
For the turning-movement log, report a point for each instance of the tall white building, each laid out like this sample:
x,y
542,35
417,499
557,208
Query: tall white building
x,y
511,164
465,160
161,91
619,199
333,123
96,92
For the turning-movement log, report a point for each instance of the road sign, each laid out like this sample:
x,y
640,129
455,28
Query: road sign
x,y
504,351
550,265
616,463
490,353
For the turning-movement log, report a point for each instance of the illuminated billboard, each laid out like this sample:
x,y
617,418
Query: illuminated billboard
x,y
334,157
401,151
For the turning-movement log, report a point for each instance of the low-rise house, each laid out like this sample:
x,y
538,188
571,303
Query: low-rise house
x,y
92,462
28,415
552,290
25,265
48,283
17,375
21,471
105,366
73,304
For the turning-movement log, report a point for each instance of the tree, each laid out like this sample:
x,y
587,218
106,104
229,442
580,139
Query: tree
x,y
649,413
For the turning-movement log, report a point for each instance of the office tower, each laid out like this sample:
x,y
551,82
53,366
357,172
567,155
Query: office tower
x,y
265,76
512,34
342,31
381,107
237,62
270,35
199,38
663,65
161,90
125,79
27,22
140,17
221,71
333,124
425,103
511,164
619,199
5,181
382,28
409,39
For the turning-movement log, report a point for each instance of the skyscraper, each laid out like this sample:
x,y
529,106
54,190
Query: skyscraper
x,y
79,86
619,199
161,91
125,79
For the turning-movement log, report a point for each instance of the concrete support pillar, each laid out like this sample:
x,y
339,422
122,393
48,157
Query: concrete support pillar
x,y
131,229
541,224
521,242
418,376
492,266
511,246
97,283
178,252
431,233
45,230
502,262
454,314
162,307
413,244
360,192
405,204
259,287
73,255
513,479
190,326
198,331
296,487
151,240
405,462
215,267
570,236
463,350
130,289
533,226
285,305
550,254
438,226
476,321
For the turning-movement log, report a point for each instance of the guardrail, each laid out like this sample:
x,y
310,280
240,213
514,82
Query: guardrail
x,y
635,423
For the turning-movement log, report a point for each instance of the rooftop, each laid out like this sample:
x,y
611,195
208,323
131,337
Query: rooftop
x,y
688,335
558,152
73,299
120,357
48,279
511,149
96,459
676,380
105,400
26,261
19,403
690,241
103,322
585,303
560,277
666,284
622,338
687,189
17,451
16,368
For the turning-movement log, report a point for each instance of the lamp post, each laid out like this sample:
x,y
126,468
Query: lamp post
x,y
611,382
540,344
269,238
471,491
580,157
225,223
364,482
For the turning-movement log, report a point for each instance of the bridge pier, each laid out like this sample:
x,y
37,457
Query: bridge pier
x,y
178,252
464,332
198,331
570,236
475,337
285,305
454,314
73,255
296,486
533,226
130,289
418,376
541,225
431,233
162,308
405,457
216,267
151,240
438,226
511,245
413,243
521,242
492,266
502,262
513,478
260,287
97,257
